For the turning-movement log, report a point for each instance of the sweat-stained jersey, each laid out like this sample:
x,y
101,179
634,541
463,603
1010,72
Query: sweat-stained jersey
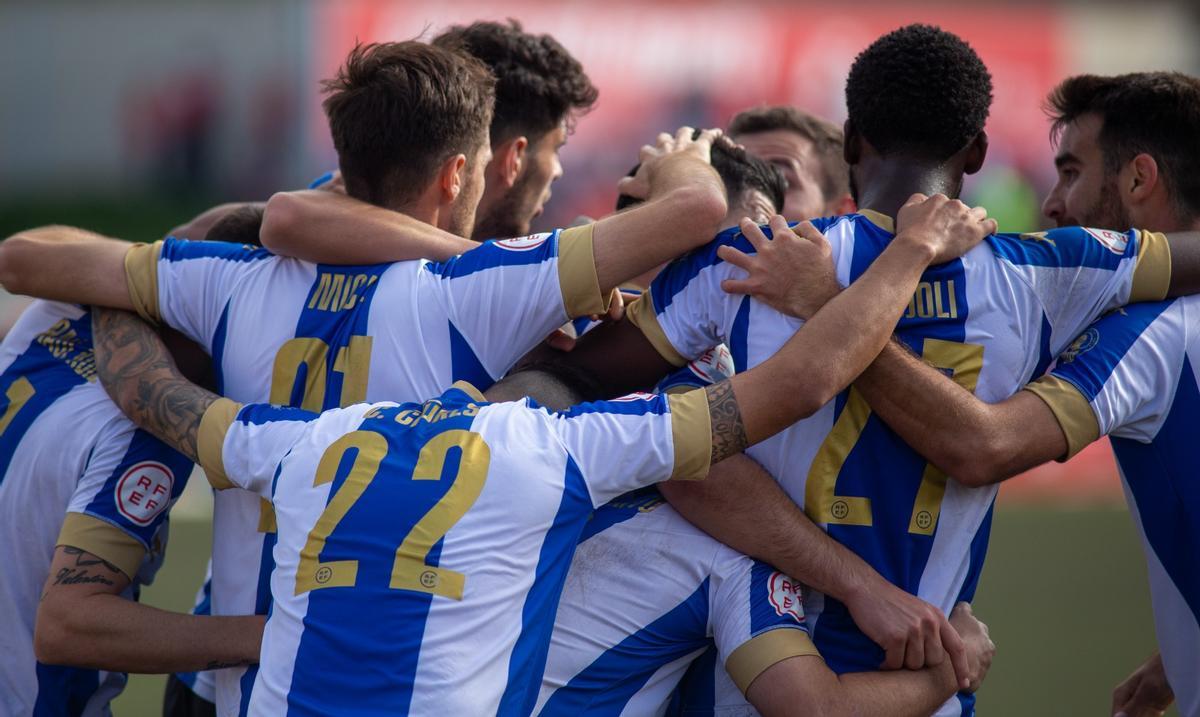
x,y
1132,376
992,319
646,594
285,331
73,471
422,547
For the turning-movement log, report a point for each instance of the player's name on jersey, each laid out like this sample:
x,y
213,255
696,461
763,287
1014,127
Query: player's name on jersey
x,y
64,343
933,300
336,291
431,412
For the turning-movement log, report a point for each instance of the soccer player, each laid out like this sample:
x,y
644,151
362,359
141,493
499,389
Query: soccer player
x,y
917,99
374,600
84,497
320,336
1128,149
807,149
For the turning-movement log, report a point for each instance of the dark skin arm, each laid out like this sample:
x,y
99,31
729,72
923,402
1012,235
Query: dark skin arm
x,y
83,621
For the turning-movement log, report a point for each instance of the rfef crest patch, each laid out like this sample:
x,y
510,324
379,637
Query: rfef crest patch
x,y
1116,242
785,596
533,241
145,491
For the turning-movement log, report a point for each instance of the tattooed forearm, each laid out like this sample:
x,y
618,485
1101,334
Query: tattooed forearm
x,y
728,431
137,371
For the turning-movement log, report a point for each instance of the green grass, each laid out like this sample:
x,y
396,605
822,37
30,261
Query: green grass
x,y
1064,593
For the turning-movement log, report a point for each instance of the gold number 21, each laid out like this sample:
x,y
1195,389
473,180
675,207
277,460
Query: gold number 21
x,y
821,501
409,569
18,394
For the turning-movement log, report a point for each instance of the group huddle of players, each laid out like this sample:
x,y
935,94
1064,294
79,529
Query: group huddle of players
x,y
424,505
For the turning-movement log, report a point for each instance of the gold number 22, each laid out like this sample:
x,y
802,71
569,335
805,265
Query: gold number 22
x,y
409,568
821,501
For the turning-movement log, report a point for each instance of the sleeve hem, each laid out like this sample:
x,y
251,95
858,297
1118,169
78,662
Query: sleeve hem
x,y
210,440
691,434
641,314
577,275
104,540
1071,409
141,278
754,656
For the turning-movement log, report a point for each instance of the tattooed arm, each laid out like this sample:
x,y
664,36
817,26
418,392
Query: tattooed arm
x,y
83,621
140,375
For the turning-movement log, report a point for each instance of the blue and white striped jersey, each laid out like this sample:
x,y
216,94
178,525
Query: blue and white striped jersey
x,y
422,548
294,333
646,594
73,471
1132,376
993,319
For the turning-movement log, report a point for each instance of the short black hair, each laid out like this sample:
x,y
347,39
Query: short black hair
x,y
826,137
1156,113
397,110
919,90
240,226
539,84
740,171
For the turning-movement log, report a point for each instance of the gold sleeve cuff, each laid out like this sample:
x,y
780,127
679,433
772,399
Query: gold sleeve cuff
x,y
141,276
691,434
210,440
577,273
760,652
1074,413
1152,276
641,314
104,540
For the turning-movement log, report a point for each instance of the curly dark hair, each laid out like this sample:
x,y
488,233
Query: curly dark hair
x,y
919,89
539,83
826,138
1156,113
741,172
397,110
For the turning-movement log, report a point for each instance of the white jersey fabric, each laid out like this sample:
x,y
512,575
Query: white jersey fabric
x,y
646,594
289,332
1133,376
73,471
422,547
994,319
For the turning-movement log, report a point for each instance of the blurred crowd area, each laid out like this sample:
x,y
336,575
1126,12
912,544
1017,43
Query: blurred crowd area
x,y
128,117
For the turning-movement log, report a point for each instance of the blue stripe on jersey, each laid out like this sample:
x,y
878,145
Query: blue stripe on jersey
x,y
144,451
45,367
1105,343
465,365
323,179
204,607
174,249
64,691
621,509
1066,247
697,691
366,640
606,686
668,284
738,335
1162,478
636,405
257,414
218,350
492,254
528,659
1045,356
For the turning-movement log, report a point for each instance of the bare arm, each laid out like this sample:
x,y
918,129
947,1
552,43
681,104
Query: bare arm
x,y
66,264
1185,263
329,227
977,443
83,621
142,379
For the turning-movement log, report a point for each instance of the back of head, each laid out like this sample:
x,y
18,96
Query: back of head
x,y
398,110
554,386
825,136
918,91
240,226
741,173
1156,113
538,83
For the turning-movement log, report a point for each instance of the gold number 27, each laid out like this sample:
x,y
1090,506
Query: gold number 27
x,y
821,501
409,568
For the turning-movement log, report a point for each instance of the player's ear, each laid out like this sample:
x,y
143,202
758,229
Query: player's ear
x,y
976,153
452,176
509,159
852,144
1141,178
